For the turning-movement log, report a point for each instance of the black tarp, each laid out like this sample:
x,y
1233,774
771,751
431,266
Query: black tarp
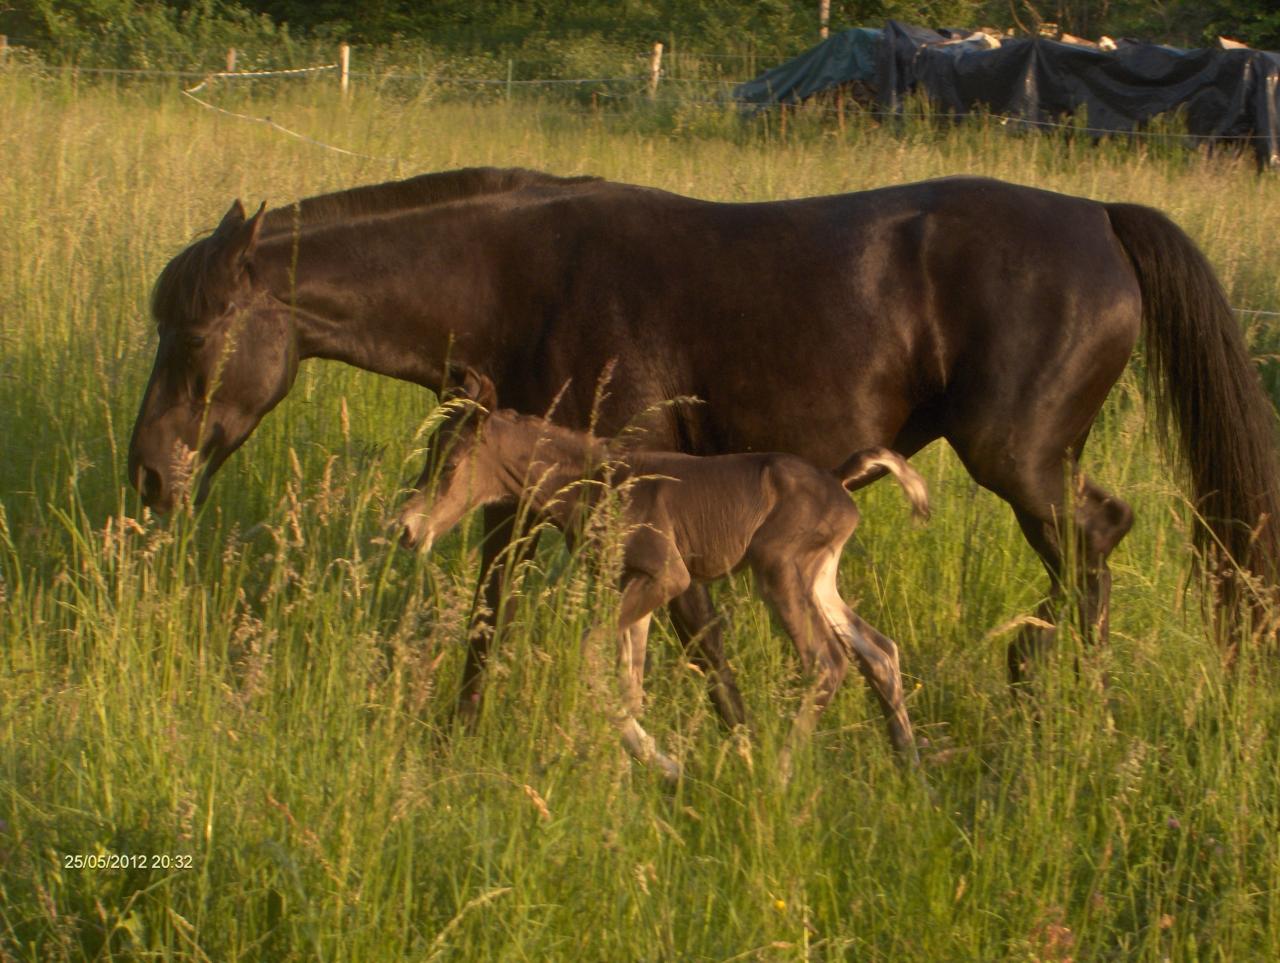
x,y
1227,94
842,58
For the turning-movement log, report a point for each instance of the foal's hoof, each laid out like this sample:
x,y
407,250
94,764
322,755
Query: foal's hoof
x,y
784,768
466,715
667,768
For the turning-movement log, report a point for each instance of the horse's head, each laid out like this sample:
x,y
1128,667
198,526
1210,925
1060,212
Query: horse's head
x,y
226,357
464,477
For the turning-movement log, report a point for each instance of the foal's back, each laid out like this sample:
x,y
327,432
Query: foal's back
x,y
723,510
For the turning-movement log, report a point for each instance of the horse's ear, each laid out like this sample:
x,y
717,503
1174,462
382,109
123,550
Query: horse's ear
x,y
243,238
231,221
479,389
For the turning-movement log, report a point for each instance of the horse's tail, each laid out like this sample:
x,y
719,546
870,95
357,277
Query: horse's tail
x,y
864,467
1200,377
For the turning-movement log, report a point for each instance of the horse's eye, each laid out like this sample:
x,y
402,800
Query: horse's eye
x,y
195,340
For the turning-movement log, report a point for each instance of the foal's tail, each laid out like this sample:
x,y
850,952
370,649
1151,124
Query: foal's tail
x,y
1200,377
864,467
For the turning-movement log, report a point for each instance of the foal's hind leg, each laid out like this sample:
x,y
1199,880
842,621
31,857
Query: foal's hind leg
x,y
877,656
822,656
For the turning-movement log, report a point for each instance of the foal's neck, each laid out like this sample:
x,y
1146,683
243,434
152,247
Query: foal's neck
x,y
539,459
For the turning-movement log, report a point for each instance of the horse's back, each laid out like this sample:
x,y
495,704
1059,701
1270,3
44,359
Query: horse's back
x,y
815,325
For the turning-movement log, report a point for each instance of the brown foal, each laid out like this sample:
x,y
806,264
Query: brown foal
x,y
687,519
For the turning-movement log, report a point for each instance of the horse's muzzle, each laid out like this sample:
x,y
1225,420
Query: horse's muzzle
x,y
150,485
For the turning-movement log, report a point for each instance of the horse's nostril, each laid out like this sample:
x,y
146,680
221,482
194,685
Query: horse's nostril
x,y
150,485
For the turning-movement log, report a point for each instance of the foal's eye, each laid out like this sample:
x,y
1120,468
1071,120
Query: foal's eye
x,y
195,341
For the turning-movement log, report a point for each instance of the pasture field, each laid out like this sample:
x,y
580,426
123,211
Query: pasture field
x,y
239,720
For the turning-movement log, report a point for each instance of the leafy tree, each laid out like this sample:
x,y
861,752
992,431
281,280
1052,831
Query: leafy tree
x,y
189,32
1185,23
140,33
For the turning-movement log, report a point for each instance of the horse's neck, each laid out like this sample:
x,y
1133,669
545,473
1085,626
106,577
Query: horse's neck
x,y
402,319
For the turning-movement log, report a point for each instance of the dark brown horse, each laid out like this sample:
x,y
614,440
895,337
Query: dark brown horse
x,y
994,316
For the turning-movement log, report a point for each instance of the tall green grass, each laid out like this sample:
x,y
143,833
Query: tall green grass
x,y
263,690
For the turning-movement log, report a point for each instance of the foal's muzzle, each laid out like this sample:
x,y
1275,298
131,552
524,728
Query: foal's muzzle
x,y
415,533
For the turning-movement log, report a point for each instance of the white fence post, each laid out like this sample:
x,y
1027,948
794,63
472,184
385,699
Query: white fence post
x,y
655,70
344,68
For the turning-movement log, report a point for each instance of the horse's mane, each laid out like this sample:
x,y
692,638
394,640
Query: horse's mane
x,y
191,283
414,192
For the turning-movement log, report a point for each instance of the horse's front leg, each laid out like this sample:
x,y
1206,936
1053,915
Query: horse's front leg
x,y
496,564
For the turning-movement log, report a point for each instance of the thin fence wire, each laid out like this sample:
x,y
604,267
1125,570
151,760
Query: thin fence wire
x,y
639,82
803,109
255,74
121,71
486,82
268,122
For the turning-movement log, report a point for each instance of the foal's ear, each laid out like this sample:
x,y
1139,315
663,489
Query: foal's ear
x,y
479,389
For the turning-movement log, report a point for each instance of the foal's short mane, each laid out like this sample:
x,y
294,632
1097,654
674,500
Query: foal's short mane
x,y
567,443
414,192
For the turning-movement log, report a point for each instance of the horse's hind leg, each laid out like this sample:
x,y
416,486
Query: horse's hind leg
x,y
1101,520
1097,522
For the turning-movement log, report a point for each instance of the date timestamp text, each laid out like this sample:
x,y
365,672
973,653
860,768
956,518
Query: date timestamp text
x,y
127,861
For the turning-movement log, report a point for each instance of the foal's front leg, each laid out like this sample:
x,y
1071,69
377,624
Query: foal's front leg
x,y
641,594
638,742
697,625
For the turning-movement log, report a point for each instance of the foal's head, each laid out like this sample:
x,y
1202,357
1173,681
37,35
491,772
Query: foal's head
x,y
460,464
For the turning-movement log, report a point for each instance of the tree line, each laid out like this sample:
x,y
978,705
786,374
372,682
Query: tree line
x,y
158,32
